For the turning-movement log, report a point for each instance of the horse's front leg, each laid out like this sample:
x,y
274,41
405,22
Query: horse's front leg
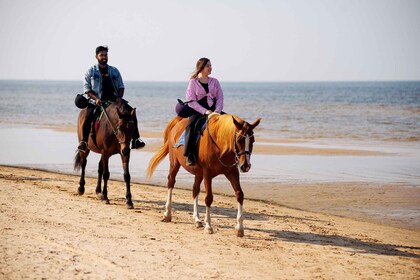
x,y
82,160
233,177
99,182
106,178
196,191
127,179
209,200
173,170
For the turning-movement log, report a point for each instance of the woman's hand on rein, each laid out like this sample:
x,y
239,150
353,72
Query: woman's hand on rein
x,y
212,114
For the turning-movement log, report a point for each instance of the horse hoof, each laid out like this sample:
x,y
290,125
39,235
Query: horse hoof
x,y
80,191
100,196
167,219
239,232
130,205
208,230
106,201
199,224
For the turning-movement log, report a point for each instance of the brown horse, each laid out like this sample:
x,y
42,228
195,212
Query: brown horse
x,y
225,146
113,136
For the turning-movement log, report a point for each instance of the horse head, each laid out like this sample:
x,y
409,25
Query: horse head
x,y
244,140
125,127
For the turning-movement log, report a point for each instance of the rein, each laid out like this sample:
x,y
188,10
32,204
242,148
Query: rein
x,y
114,130
237,154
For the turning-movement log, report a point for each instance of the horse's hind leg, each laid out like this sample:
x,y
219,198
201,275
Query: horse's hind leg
x,y
233,177
99,182
127,179
173,170
209,200
196,191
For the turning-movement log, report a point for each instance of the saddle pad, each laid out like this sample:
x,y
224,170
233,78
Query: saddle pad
x,y
98,115
181,140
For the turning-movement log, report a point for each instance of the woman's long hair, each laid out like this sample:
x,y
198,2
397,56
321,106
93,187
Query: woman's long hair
x,y
201,63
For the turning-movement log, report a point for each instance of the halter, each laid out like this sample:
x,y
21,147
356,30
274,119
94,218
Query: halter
x,y
237,154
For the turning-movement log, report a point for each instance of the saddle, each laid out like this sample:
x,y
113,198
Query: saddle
x,y
181,140
97,116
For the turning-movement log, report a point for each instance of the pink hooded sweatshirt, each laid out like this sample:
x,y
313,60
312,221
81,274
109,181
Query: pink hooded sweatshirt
x,y
195,92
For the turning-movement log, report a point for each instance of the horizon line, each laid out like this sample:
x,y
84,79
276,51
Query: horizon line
x,y
226,81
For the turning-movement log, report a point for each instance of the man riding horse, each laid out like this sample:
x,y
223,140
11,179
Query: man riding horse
x,y
103,82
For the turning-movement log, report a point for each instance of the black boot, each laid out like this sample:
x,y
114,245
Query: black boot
x,y
191,160
137,144
86,127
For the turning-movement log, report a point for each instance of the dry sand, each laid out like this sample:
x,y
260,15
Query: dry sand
x,y
49,232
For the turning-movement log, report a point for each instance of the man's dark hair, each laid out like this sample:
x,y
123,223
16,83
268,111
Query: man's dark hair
x,y
101,48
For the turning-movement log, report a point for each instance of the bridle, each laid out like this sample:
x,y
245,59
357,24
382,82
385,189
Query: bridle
x,y
246,150
115,130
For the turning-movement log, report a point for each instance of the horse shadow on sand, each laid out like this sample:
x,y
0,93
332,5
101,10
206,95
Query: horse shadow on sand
x,y
357,245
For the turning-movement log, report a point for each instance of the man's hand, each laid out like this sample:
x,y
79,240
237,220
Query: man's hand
x,y
98,102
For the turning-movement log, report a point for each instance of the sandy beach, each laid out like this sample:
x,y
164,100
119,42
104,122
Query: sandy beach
x,y
312,211
49,232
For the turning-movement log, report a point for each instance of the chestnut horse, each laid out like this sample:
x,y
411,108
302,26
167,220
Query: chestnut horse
x,y
225,146
113,136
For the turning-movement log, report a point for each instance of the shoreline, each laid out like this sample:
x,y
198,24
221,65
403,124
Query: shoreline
x,y
264,146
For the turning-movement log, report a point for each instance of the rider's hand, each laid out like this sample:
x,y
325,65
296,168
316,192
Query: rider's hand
x,y
212,115
208,112
98,102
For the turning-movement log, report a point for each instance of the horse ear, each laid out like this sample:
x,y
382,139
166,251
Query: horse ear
x,y
257,122
133,112
237,122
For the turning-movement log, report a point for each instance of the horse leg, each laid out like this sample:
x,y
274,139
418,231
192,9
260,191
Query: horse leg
x,y
83,162
106,178
196,192
127,179
209,200
233,177
99,182
173,170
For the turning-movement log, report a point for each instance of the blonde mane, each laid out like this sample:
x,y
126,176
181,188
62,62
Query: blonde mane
x,y
222,130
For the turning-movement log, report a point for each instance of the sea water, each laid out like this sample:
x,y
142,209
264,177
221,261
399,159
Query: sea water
x,y
383,111
381,116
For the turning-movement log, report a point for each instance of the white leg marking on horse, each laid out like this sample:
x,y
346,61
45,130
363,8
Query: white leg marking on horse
x,y
196,215
240,218
208,228
168,205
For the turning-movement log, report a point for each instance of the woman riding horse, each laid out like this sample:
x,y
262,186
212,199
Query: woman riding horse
x,y
225,146
205,97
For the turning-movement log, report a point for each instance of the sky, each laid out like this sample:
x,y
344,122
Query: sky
x,y
246,40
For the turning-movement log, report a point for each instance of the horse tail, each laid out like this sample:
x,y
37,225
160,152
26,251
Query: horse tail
x,y
77,161
164,150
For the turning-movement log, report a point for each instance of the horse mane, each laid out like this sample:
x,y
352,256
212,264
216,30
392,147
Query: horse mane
x,y
123,108
223,131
